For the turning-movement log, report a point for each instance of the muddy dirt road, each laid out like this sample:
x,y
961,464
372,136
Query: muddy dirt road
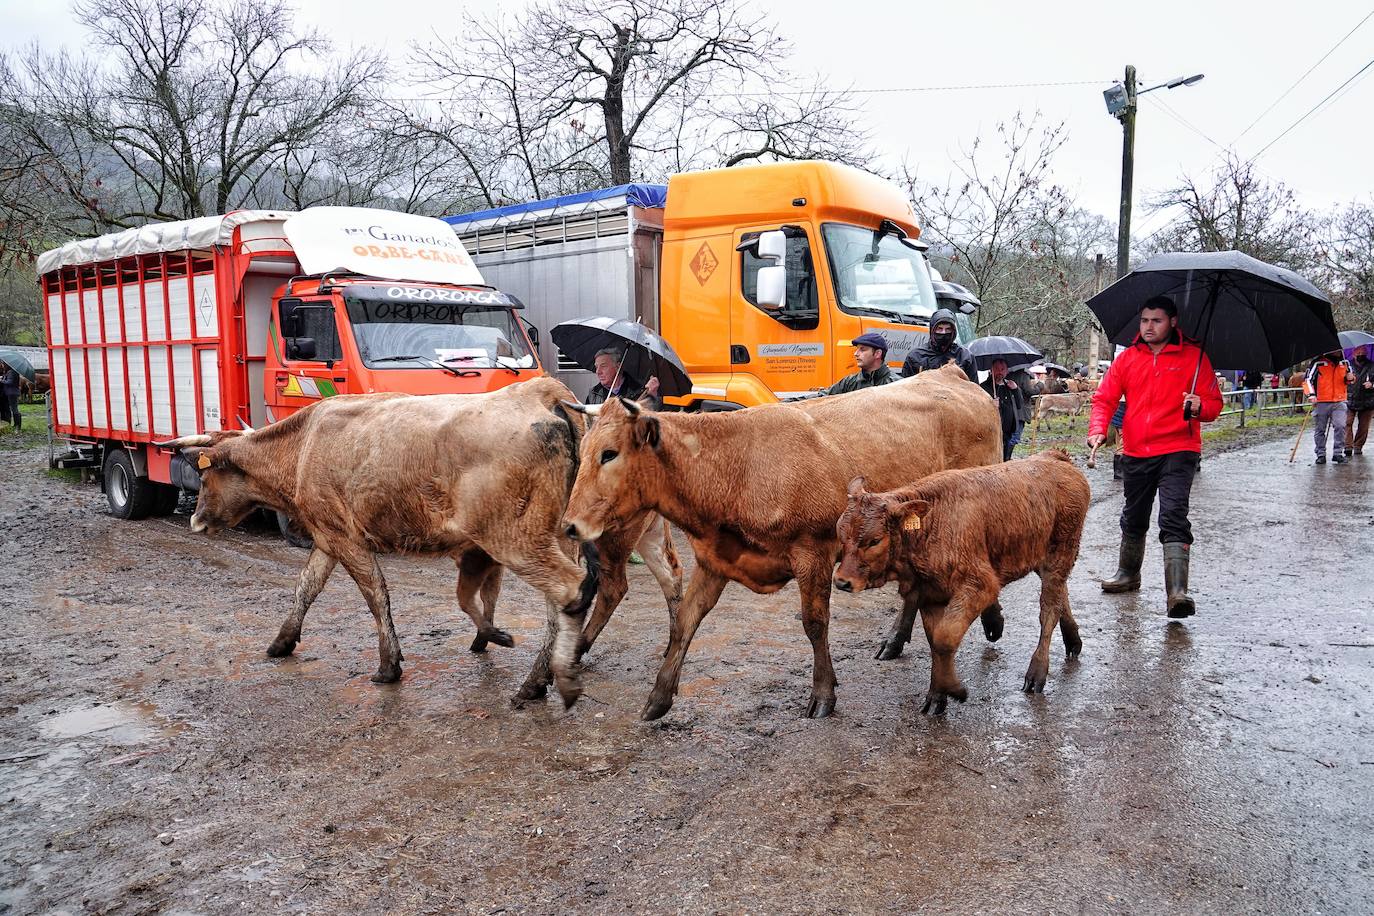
x,y
152,759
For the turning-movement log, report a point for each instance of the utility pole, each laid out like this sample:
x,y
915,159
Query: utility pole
x,y
1094,339
1127,117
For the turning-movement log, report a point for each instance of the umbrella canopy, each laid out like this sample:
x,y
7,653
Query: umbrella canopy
x,y
646,353
1055,367
1352,340
1242,311
1017,353
18,362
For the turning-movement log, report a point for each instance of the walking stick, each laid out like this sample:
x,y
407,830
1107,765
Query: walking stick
x,y
1092,458
1302,426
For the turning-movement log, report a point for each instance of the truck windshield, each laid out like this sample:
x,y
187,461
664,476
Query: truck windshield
x,y
877,275
400,327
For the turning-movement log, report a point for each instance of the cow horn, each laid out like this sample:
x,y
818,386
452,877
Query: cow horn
x,y
200,440
631,406
246,428
590,410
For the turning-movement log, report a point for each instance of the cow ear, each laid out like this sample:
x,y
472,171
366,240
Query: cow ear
x,y
856,486
909,513
197,457
646,431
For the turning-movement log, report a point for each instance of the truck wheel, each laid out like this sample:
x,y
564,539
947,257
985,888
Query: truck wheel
x,y
167,499
129,495
292,533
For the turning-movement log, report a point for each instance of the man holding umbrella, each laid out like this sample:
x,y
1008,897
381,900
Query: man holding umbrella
x,y
1009,403
611,381
1160,444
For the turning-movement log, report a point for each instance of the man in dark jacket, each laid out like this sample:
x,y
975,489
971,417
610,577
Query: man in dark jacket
x,y
870,355
9,390
1359,402
1250,382
940,349
611,382
1008,397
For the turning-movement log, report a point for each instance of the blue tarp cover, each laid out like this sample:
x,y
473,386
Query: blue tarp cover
x,y
649,196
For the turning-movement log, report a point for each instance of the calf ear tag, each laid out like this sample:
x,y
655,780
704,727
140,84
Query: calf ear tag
x,y
912,523
203,462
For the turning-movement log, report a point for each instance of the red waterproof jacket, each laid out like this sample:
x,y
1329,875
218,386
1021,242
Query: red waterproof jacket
x,y
1153,387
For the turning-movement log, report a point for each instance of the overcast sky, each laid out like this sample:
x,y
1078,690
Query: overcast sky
x,y
1250,54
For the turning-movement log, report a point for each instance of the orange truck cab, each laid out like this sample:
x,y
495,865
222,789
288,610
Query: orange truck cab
x,y
760,277
236,321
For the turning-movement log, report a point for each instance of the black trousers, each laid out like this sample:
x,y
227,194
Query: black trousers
x,y
1171,477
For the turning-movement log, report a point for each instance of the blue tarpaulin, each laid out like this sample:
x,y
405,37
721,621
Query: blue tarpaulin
x,y
649,196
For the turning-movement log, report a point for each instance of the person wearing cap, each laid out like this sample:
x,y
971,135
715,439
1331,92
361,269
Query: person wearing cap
x,y
1326,386
941,348
870,355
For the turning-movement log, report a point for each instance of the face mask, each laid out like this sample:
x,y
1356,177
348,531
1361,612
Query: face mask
x,y
942,339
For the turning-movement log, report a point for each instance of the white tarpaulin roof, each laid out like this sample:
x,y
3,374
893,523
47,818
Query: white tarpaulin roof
x,y
199,233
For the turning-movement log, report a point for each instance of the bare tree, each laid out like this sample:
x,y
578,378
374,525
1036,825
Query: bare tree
x,y
814,123
1346,251
1236,208
988,217
192,112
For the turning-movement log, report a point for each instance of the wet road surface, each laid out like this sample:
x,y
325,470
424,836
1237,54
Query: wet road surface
x,y
152,759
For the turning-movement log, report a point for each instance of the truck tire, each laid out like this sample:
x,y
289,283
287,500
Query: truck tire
x,y
292,534
130,496
168,497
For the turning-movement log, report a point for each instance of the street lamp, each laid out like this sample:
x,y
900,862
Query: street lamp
x,y
1121,105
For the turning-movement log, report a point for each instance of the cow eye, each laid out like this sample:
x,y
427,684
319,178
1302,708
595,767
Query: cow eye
x,y
609,455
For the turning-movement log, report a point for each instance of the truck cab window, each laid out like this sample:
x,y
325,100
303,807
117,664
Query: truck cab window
x,y
801,274
313,322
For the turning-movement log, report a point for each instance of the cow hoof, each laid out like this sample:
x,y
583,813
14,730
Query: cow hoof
x,y
934,705
1074,649
479,643
528,693
656,709
503,639
1035,682
387,675
992,629
280,648
569,688
819,709
890,649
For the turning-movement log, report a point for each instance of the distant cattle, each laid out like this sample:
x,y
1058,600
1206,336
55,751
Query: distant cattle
x,y
758,491
1051,405
481,478
954,539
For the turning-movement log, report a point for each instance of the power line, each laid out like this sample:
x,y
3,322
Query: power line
x,y
1305,75
1314,108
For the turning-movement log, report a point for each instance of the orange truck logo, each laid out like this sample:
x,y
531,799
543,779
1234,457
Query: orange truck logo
x,y
704,263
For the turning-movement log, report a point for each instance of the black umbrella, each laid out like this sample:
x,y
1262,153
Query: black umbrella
x,y
646,353
1055,367
1016,352
1242,311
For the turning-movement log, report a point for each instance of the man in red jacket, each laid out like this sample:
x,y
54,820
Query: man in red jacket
x,y
1160,446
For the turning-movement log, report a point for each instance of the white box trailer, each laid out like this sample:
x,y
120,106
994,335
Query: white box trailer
x,y
596,253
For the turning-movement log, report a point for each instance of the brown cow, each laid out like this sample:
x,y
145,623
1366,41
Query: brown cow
x,y
953,540
482,478
758,491
1049,405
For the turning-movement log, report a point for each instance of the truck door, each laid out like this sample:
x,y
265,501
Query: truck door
x,y
785,349
311,364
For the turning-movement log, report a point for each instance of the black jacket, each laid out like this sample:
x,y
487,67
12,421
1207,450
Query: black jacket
x,y
1023,381
1009,404
628,389
927,357
860,380
1358,397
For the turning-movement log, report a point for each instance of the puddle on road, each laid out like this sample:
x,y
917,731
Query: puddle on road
x,y
69,739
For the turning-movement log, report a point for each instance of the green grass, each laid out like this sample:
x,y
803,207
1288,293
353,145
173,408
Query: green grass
x,y
69,475
34,433
1071,436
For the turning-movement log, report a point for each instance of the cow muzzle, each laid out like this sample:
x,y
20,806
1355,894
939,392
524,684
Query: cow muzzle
x,y
580,531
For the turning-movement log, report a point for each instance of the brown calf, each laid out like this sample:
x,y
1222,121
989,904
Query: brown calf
x,y
757,491
953,540
1049,405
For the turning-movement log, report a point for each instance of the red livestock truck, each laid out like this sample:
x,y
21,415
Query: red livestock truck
x,y
234,321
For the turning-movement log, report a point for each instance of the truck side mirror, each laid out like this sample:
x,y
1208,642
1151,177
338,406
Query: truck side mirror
x,y
967,308
533,333
772,246
772,286
290,318
301,348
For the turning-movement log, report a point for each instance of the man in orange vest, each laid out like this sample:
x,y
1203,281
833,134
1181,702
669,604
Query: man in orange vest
x,y
1326,385
1160,443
